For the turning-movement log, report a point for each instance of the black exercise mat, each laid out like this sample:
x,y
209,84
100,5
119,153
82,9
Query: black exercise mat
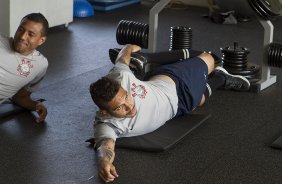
x,y
163,138
277,143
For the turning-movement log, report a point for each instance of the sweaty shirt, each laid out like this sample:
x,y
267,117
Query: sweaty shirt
x,y
18,71
155,100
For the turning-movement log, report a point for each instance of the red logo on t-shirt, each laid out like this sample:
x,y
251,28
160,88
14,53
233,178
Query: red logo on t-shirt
x,y
24,68
138,90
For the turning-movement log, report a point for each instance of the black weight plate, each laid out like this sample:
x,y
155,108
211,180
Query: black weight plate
x,y
274,55
280,56
234,62
269,61
118,32
181,33
129,33
180,36
145,30
235,57
231,53
236,66
139,33
180,45
229,59
251,69
181,39
255,8
272,7
261,9
124,30
182,28
276,50
279,50
128,30
133,32
174,31
145,37
235,51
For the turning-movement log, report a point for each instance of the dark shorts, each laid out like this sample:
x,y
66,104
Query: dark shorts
x,y
190,77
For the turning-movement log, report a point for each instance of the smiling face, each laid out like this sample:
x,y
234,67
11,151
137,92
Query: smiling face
x,y
28,37
122,105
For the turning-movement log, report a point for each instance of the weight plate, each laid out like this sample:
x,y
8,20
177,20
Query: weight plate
x,y
256,9
230,50
251,69
272,7
235,66
234,62
261,9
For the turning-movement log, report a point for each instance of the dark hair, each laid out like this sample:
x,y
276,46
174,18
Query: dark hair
x,y
39,18
103,91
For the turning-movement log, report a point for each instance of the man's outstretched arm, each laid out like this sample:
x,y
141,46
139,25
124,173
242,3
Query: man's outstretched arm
x,y
105,157
23,99
125,53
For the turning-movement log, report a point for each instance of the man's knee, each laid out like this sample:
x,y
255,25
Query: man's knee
x,y
209,60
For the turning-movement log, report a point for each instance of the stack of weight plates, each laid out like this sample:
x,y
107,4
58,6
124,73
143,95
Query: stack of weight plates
x,y
131,32
275,55
266,9
235,62
180,38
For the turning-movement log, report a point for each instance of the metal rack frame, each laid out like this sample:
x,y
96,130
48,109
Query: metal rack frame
x,y
266,78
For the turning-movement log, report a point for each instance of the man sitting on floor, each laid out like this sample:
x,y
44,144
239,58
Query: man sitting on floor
x,y
131,107
22,67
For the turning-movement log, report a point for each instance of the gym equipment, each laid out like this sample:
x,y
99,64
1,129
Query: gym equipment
x,y
82,8
277,143
131,32
235,62
106,5
136,65
163,138
266,10
275,55
180,38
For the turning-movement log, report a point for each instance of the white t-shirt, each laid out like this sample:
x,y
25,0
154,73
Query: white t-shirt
x,y
18,71
156,102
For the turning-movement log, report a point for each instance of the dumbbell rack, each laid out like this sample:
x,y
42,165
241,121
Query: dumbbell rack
x,y
153,24
266,78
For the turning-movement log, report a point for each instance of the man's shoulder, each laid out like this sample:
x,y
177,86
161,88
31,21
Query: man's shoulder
x,y
38,56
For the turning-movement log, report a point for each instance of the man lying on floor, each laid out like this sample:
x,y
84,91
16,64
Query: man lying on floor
x,y
131,107
22,67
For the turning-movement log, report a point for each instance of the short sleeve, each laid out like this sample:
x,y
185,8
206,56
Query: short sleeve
x,y
104,131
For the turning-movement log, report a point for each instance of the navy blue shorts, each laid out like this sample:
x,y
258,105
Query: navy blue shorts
x,y
190,77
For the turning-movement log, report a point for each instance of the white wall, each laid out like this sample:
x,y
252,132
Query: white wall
x,y
4,16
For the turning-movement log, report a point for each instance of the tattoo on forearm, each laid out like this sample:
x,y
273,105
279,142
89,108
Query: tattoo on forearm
x,y
109,154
